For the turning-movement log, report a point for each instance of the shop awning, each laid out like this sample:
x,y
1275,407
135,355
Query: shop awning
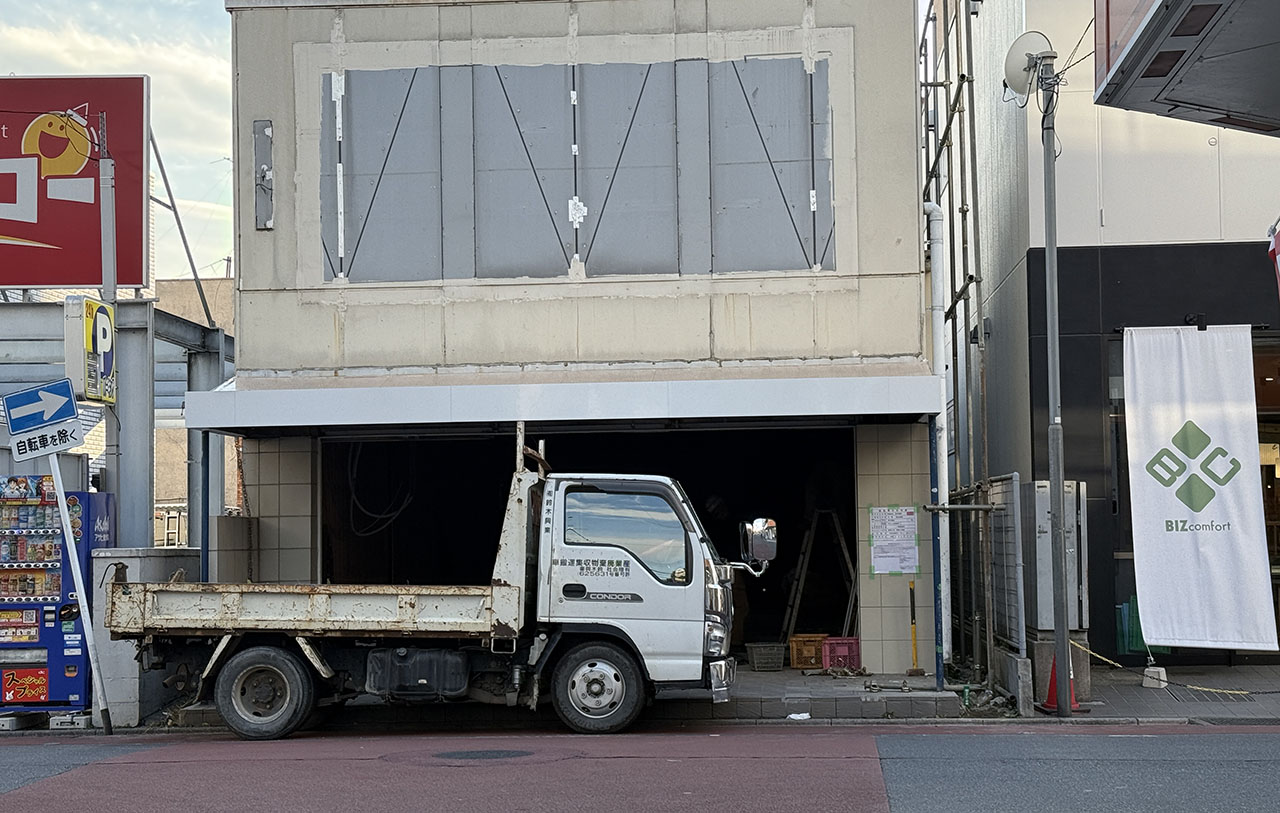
x,y
237,411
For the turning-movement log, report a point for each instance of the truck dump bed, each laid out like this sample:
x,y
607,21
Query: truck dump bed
x,y
343,610
135,610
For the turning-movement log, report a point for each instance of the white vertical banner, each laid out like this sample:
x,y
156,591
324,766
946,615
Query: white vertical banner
x,y
1199,538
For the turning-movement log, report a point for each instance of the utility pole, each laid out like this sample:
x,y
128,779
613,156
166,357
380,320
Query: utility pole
x,y
107,195
1062,645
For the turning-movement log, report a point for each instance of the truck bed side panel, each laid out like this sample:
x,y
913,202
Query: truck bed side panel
x,y
146,609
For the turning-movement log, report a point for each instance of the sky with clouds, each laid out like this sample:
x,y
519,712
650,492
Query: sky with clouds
x,y
185,47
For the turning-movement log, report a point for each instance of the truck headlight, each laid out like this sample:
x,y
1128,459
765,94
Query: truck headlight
x,y
716,638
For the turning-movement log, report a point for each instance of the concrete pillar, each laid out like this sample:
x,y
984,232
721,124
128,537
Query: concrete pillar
x,y
205,372
893,470
132,477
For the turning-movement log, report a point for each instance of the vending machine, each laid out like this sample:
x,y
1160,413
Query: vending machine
x,y
44,665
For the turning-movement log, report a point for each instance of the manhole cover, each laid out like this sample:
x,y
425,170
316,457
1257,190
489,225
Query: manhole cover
x,y
484,754
1183,695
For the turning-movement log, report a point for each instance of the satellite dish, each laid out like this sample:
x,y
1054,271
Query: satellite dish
x,y
1021,64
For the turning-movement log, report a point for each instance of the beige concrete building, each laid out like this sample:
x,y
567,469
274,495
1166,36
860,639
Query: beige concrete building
x,y
675,235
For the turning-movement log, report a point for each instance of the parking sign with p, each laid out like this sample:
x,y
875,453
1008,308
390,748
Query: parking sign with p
x,y
91,348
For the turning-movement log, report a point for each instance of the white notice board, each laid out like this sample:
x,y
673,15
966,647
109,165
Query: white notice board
x,y
895,545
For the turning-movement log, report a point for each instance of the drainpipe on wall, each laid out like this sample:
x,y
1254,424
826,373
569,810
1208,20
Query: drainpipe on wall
x,y
938,274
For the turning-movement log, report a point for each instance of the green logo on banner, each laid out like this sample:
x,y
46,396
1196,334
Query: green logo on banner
x,y
1168,467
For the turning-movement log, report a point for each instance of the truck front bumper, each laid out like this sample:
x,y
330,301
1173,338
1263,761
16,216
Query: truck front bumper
x,y
722,675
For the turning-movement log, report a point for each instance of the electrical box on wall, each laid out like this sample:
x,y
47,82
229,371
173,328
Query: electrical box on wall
x,y
1037,541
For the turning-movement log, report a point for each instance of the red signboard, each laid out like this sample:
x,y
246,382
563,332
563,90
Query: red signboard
x,y
24,685
50,219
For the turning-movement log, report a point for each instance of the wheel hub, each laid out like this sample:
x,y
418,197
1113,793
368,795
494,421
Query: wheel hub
x,y
597,688
260,693
263,692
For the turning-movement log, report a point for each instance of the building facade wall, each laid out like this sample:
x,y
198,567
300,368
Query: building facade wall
x,y
1123,178
1152,214
295,320
1114,288
1003,167
893,470
860,313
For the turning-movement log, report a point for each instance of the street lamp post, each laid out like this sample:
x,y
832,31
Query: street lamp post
x,y
1062,646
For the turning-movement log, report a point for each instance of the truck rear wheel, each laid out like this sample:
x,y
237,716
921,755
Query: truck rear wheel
x,y
598,689
264,693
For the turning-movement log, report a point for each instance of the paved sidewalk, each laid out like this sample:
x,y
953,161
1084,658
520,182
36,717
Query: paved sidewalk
x,y
1119,693
791,697
777,696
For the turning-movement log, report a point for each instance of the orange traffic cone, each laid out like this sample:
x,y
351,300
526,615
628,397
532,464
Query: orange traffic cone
x,y
1050,704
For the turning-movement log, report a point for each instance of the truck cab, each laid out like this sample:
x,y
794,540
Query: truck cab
x,y
628,559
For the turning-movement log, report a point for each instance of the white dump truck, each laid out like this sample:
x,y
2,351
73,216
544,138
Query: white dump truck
x,y
605,587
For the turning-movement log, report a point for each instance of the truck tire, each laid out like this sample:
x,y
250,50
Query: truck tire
x,y
597,689
264,693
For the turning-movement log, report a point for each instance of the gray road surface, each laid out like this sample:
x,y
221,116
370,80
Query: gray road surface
x,y
766,768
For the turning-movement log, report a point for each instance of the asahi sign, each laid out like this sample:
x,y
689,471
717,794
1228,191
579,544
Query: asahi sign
x,y
50,145
1199,538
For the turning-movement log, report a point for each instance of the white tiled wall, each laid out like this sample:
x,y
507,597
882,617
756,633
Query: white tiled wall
x,y
893,469
280,485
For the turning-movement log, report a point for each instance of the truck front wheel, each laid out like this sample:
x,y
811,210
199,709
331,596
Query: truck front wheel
x,y
598,689
264,693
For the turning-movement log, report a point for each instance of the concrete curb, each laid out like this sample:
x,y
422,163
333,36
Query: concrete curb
x,y
655,719
650,723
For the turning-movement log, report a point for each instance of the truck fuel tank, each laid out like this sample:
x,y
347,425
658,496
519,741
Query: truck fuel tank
x,y
417,674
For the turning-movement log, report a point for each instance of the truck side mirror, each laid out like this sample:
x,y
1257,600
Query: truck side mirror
x,y
759,540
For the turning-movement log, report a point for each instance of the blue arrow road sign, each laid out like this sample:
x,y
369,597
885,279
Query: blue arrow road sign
x,y
40,406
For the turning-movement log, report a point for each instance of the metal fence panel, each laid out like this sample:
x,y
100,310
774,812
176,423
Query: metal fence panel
x,y
1008,624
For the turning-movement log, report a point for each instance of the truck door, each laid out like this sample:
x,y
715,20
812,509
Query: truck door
x,y
623,557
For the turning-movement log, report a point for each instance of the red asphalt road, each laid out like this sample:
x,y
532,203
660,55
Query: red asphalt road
x,y
755,768
727,769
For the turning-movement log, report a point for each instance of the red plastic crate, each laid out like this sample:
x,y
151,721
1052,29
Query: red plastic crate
x,y
841,653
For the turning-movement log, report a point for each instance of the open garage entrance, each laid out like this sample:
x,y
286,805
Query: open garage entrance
x,y
427,509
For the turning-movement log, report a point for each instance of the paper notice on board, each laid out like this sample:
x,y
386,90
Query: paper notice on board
x,y
895,557
893,540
